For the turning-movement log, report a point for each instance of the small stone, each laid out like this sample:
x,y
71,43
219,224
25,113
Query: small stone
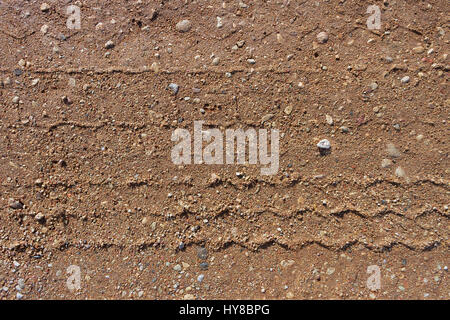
x,y
66,100
15,204
174,88
155,67
344,129
393,151
189,297
329,119
322,37
405,79
419,137
287,263
183,26
399,172
418,50
373,86
251,61
324,144
289,295
202,253
330,271
15,100
324,147
216,61
45,7
34,82
288,110
145,220
109,45
219,23
200,278
19,296
17,72
386,163
44,29
177,267
204,265
39,216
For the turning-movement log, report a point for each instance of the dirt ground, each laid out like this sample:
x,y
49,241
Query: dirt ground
x,y
92,206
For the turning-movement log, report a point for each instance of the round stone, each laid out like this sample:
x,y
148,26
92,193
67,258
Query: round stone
x,y
405,79
184,26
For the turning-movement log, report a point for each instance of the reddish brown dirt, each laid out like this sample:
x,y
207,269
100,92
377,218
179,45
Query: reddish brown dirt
x,y
97,163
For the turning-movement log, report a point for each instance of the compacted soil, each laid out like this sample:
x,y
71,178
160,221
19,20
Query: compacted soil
x,y
92,206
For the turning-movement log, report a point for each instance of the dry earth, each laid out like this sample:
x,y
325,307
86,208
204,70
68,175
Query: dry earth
x,y
86,177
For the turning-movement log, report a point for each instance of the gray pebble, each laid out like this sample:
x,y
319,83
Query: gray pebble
x,y
344,129
174,87
184,26
109,44
14,204
202,253
200,278
324,144
204,265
